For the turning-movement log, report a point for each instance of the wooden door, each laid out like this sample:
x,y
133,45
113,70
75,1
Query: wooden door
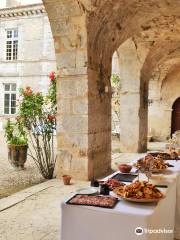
x,y
176,116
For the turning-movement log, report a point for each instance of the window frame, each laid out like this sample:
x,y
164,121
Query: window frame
x,y
11,48
11,93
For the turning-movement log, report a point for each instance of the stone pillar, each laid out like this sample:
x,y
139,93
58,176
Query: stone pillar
x,y
133,109
84,119
99,121
69,32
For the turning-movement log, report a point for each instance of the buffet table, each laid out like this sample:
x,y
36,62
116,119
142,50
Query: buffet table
x,y
93,223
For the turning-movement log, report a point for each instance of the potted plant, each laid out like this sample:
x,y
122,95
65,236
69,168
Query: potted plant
x,y
16,138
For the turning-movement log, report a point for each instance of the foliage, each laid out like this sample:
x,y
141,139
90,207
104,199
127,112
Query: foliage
x,y
115,80
15,133
116,86
52,89
38,115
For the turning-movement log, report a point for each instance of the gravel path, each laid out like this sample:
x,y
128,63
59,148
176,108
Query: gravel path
x,y
12,180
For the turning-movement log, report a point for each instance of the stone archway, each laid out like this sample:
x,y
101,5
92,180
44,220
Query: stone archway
x,y
86,34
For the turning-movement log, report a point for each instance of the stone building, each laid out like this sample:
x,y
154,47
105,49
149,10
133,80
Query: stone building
x,y
26,51
86,35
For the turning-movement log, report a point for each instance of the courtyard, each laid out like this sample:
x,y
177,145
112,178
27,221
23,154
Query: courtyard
x,y
14,180
89,119
35,213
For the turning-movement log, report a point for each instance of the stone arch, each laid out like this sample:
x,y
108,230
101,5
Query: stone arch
x,y
170,89
159,53
86,34
167,90
116,26
169,93
109,32
175,124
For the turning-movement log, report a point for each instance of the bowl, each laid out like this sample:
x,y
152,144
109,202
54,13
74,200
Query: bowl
x,y
125,168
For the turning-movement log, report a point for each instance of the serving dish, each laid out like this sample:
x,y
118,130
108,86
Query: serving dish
x,y
151,164
156,170
143,200
138,191
113,183
95,201
125,177
88,190
125,168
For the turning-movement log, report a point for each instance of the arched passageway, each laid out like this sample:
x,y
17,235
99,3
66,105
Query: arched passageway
x,y
175,125
86,34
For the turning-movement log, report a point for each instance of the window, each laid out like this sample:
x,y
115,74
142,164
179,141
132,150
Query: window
x,y
11,44
10,98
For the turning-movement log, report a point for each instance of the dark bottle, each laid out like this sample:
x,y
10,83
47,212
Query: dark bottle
x,y
94,183
104,189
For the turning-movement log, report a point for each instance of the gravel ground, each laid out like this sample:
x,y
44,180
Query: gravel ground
x,y
12,180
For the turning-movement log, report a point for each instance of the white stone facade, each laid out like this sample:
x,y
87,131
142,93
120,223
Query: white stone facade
x,y
36,55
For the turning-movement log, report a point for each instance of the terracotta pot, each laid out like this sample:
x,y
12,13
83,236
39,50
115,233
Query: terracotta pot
x,y
17,155
125,168
66,179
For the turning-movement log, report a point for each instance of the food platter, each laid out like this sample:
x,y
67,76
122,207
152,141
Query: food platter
x,y
140,192
95,201
142,200
151,164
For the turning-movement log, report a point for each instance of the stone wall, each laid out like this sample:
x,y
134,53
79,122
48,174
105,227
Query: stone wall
x,y
163,95
163,91
36,55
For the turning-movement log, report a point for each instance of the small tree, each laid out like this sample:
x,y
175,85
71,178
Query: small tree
x,y
38,114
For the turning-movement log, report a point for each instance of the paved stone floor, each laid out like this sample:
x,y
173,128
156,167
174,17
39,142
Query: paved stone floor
x,y
35,214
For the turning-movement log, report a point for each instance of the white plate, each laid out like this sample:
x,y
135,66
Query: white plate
x,y
156,170
138,200
89,190
143,200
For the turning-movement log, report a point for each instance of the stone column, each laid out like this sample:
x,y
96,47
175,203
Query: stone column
x,y
68,24
99,110
133,109
83,132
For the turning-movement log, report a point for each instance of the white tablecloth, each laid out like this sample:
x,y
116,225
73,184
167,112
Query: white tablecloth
x,y
176,172
92,223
